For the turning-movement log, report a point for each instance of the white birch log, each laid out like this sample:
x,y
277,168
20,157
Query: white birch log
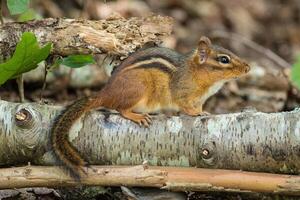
x,y
250,140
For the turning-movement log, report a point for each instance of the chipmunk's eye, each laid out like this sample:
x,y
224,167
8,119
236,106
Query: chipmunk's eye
x,y
224,59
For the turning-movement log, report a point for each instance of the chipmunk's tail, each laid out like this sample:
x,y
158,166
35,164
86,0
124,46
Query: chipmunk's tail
x,y
66,154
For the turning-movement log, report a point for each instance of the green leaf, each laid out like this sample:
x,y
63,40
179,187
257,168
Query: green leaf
x,y
76,61
17,6
295,74
30,14
25,58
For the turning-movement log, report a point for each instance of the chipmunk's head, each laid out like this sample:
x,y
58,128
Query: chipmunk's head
x,y
217,61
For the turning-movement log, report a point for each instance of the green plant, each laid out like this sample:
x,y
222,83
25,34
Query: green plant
x,y
295,74
25,58
17,6
76,61
28,53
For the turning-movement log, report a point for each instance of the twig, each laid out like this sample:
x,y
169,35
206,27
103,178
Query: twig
x,y
1,17
170,178
257,47
20,83
130,195
44,81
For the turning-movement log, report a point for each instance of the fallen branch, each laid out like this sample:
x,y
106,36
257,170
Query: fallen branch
x,y
115,36
251,141
170,178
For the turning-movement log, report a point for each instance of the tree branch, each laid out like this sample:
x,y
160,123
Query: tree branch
x,y
116,36
170,178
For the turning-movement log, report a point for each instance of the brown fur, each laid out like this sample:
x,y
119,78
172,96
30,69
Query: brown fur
x,y
63,149
151,80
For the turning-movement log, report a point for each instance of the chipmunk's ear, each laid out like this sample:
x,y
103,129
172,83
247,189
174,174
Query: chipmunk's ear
x,y
204,48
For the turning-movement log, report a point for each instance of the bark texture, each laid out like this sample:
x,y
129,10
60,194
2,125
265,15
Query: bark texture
x,y
116,36
170,178
250,140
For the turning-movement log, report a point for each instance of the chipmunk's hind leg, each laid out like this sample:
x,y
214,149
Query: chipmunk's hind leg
x,y
125,93
141,119
132,98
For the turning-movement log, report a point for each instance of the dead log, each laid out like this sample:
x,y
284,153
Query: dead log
x,y
114,36
251,141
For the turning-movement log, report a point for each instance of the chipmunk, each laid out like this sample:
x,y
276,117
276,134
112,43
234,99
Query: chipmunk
x,y
149,81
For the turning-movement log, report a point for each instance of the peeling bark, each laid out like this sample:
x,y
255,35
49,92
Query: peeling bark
x,y
251,141
115,36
